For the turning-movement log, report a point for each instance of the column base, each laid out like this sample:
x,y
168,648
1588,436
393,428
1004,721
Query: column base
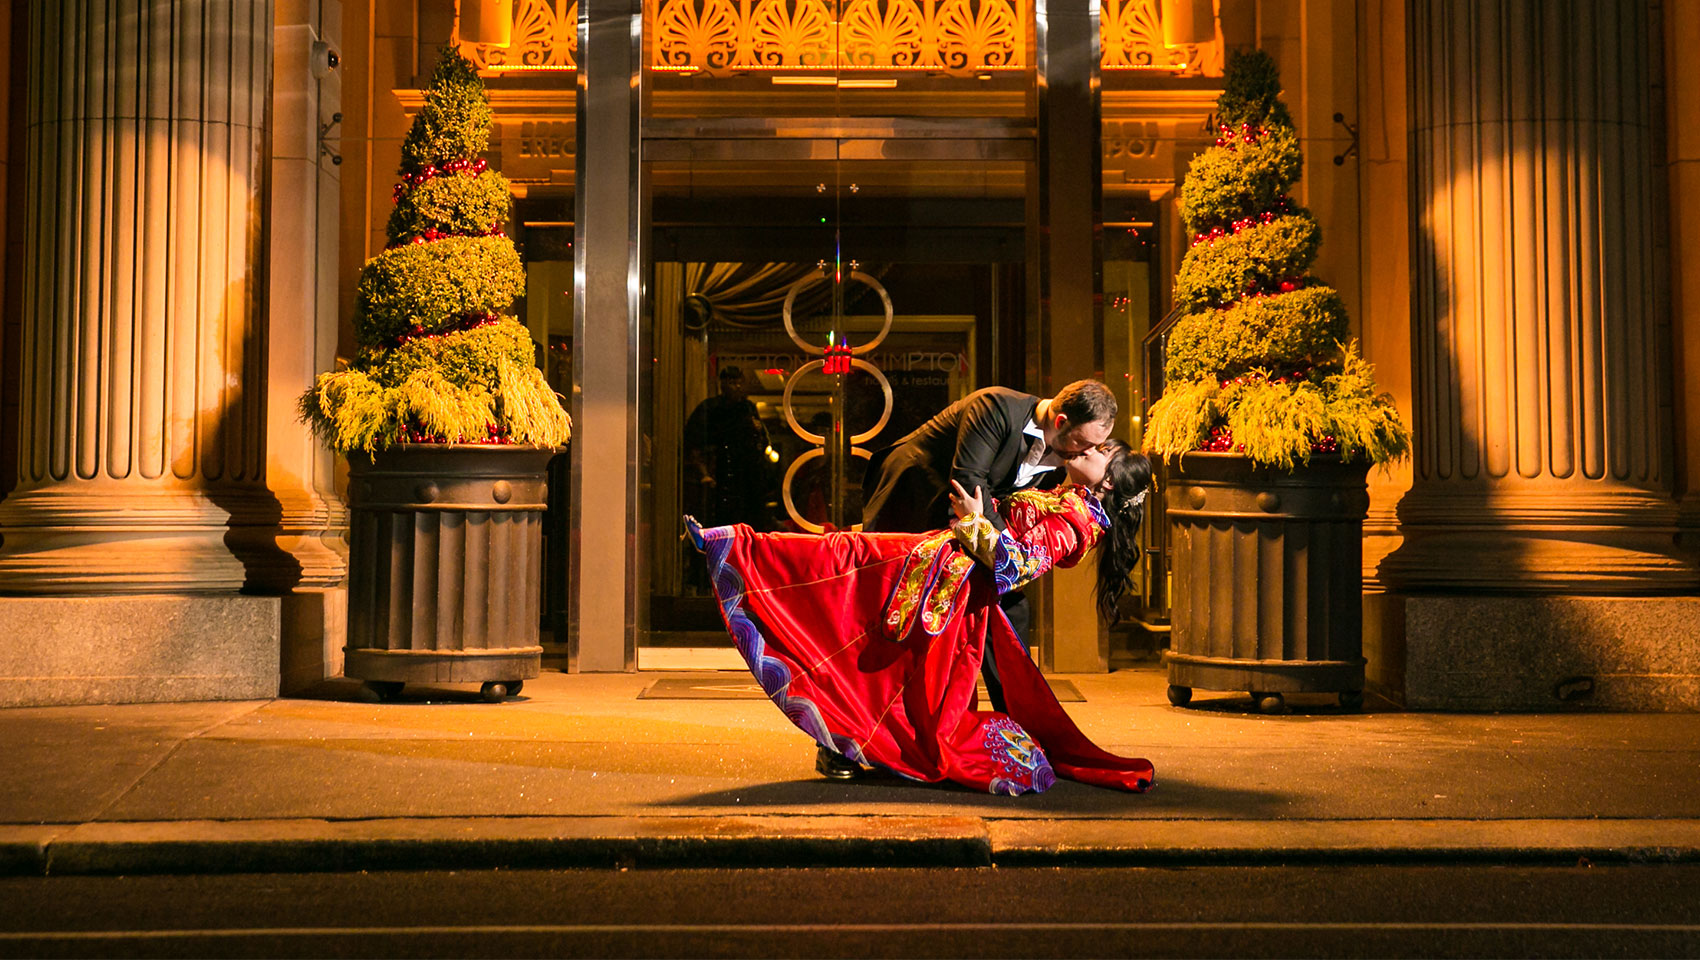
x,y
110,537
137,649
1612,541
315,629
1536,653
1688,524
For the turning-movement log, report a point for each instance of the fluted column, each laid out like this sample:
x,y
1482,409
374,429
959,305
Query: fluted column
x,y
141,431
1681,21
301,334
1541,358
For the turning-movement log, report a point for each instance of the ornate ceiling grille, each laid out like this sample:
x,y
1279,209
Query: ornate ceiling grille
x,y
545,37
962,37
1132,38
951,36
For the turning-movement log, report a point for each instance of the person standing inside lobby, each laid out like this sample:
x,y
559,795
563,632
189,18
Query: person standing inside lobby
x,y
728,472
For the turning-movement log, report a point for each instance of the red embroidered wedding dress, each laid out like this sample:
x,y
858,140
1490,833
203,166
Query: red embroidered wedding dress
x,y
871,643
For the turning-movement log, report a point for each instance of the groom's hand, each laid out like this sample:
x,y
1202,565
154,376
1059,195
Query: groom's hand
x,y
962,504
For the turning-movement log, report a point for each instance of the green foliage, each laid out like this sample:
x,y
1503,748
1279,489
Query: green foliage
x,y
1276,423
1257,258
1234,369
351,411
1251,92
1362,419
1181,418
530,410
434,285
1222,185
454,123
466,356
1279,332
455,386
452,204
442,382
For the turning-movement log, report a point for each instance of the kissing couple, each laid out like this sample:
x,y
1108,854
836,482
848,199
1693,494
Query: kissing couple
x,y
871,642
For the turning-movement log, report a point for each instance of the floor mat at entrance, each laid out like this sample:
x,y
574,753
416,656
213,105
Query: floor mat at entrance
x,y
732,688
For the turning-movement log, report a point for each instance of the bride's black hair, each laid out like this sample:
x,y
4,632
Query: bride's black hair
x,y
1129,473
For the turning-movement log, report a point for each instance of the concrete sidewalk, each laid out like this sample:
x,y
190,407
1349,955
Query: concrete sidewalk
x,y
579,771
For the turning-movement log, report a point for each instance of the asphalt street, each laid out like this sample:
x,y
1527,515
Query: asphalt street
x,y
1343,911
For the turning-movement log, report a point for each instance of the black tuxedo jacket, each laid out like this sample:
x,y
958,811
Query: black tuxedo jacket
x,y
978,440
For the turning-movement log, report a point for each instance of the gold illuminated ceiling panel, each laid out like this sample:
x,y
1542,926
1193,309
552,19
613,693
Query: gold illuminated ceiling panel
x,y
959,37
545,37
1131,32
949,36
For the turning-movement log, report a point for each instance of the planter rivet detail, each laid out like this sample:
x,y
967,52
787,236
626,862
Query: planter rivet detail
x,y
502,491
1268,501
1195,496
427,492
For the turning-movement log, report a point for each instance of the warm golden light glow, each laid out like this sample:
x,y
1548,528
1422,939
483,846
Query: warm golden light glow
x,y
543,36
969,38
949,36
487,22
1131,33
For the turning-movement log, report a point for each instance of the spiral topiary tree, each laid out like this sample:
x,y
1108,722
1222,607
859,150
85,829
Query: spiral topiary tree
x,y
1260,364
439,362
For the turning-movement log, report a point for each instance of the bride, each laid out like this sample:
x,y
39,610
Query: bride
x,y
871,642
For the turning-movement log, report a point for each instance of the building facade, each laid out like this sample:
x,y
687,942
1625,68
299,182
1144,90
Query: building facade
x,y
981,191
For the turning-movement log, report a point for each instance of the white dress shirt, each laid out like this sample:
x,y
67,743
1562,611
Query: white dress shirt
x,y
1030,467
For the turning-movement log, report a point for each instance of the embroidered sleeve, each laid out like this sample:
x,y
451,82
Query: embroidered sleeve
x,y
928,588
1014,563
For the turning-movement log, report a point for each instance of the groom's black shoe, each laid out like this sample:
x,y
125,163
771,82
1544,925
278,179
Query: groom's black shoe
x,y
835,766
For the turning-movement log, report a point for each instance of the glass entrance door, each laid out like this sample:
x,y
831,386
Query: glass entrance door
x,y
749,424
817,183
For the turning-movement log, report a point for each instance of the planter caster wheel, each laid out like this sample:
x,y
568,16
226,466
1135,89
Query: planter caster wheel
x,y
1180,696
1270,703
515,687
495,691
380,691
1351,699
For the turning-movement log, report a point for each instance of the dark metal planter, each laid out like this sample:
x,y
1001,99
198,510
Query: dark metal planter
x,y
1268,578
445,559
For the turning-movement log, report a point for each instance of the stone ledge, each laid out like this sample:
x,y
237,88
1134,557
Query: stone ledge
x,y
207,846
138,649
23,847
1638,654
1131,842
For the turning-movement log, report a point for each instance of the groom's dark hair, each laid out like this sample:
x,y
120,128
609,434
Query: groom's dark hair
x,y
1085,401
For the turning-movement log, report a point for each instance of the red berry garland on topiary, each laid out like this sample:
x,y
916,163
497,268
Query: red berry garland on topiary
x,y
1260,361
432,171
439,361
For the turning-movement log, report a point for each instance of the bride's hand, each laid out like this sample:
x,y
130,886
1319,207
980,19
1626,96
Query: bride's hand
x,y
962,504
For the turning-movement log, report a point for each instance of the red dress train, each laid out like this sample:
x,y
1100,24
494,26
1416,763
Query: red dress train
x,y
871,644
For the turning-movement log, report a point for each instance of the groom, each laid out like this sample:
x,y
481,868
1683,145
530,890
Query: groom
x,y
997,441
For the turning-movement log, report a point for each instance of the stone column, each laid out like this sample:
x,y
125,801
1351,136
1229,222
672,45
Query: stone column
x,y
1682,159
142,417
610,243
1543,461
1384,255
1065,282
301,335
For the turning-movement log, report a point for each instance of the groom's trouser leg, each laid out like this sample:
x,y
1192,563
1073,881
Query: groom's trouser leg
x,y
1016,608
